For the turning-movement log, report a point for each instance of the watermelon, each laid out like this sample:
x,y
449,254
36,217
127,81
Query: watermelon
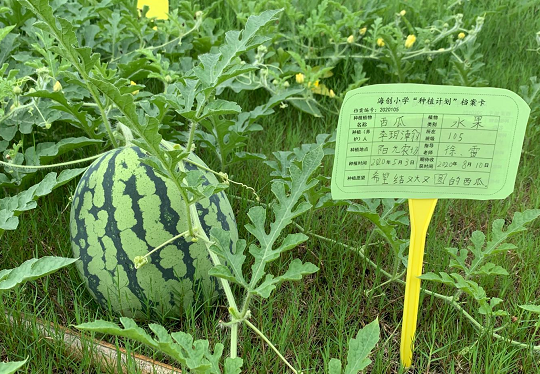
x,y
122,209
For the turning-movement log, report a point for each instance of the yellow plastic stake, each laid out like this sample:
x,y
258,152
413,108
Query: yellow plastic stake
x,y
157,8
420,211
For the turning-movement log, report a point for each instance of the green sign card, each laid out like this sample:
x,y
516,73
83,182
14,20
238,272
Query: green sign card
x,y
423,141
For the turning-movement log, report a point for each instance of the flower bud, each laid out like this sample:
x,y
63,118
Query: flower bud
x,y
350,39
57,87
380,42
403,12
331,94
410,41
134,92
300,78
461,35
17,90
363,31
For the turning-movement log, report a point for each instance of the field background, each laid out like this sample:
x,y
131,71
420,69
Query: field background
x,y
311,321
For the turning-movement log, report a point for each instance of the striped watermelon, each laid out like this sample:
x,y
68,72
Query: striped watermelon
x,y
122,209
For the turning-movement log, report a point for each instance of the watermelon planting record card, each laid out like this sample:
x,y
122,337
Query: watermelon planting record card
x,y
426,142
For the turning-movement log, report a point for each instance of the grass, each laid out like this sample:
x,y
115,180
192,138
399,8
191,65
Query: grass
x,y
311,321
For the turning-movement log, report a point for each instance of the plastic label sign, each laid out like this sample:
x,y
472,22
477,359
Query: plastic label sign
x,y
424,141
157,8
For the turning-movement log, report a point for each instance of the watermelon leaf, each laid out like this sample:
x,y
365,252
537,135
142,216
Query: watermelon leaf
x,y
11,367
361,346
531,308
215,68
359,350
66,106
289,205
296,270
232,269
384,223
334,366
220,107
130,330
43,153
233,365
82,58
32,269
12,206
6,30
179,345
483,247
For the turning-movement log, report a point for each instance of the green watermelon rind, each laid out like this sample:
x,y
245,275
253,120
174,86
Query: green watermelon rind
x,y
122,209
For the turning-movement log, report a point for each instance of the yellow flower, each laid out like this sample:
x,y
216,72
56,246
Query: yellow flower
x,y
57,87
316,84
134,92
461,35
350,39
403,12
300,78
363,31
410,41
380,42
331,94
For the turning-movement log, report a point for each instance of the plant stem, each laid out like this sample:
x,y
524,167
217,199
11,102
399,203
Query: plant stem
x,y
95,96
181,235
191,136
258,332
234,340
15,166
193,217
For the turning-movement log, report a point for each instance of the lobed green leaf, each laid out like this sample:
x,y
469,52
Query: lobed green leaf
x,y
32,269
11,367
361,346
12,206
287,207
